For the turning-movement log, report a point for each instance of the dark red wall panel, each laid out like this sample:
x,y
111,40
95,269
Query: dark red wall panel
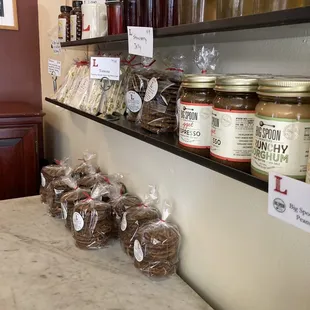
x,y
20,58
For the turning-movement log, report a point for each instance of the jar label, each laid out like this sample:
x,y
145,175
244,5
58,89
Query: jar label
x,y
232,134
43,181
78,221
133,101
64,210
195,124
137,250
62,27
151,90
73,26
124,222
281,145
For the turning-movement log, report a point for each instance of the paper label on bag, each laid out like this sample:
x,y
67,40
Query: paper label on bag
x,y
137,250
56,47
133,101
140,41
73,27
151,90
124,222
64,210
78,221
54,67
105,67
43,181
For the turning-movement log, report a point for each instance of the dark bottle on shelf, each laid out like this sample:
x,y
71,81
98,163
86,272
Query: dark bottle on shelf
x,y
76,21
133,12
116,21
147,8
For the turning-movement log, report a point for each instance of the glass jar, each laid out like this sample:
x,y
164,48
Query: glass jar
x,y
115,13
282,128
194,113
64,23
132,12
229,8
262,6
232,121
76,17
147,13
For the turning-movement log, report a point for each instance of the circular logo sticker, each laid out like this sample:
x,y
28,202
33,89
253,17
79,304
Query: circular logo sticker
x,y
151,90
133,101
279,205
137,250
43,181
124,222
78,221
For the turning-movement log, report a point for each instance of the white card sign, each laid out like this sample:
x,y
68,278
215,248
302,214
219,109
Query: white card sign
x,y
56,47
140,41
289,200
108,67
54,67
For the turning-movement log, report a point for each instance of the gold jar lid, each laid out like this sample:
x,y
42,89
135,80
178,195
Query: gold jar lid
x,y
199,80
284,87
237,83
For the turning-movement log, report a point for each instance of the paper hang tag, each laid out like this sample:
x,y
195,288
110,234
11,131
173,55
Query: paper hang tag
x,y
105,67
289,200
54,67
140,41
56,47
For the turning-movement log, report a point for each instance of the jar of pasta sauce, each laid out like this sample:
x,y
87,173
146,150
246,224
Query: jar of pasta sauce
x,y
282,128
233,120
194,113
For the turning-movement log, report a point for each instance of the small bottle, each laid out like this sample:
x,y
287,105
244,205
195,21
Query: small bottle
x,y
76,21
64,23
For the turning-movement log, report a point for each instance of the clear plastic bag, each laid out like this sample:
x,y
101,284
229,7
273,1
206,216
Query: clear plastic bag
x,y
156,246
51,172
157,114
87,166
206,59
136,216
92,220
55,190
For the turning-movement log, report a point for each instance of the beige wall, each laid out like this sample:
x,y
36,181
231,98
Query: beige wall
x,y
234,254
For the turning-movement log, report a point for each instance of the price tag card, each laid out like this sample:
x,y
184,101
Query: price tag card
x,y
108,67
56,47
140,41
289,200
54,67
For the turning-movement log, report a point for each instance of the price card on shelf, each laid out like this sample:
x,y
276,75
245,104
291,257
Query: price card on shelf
x,y
56,47
108,67
140,41
54,67
289,200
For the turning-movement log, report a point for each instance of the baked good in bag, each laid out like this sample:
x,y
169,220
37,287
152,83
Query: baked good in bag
x,y
156,248
86,166
92,220
68,201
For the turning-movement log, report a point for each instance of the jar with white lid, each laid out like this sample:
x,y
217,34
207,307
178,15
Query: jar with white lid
x,y
282,128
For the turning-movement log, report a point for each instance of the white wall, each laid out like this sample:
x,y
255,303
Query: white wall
x,y
234,254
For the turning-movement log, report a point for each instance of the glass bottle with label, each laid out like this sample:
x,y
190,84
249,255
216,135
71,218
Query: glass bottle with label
x,y
282,128
76,21
64,23
194,115
232,121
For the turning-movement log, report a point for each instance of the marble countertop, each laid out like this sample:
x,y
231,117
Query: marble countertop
x,y
41,269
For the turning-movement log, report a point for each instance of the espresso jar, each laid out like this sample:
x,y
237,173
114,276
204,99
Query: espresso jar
x,y
233,120
282,128
194,113
64,23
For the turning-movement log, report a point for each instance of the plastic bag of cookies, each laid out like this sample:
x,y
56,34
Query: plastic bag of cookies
x,y
156,246
87,166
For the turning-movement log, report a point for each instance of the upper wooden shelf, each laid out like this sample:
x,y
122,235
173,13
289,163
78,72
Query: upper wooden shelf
x,y
271,19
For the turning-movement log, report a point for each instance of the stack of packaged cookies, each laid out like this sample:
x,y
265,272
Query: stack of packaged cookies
x,y
156,246
92,220
134,217
86,167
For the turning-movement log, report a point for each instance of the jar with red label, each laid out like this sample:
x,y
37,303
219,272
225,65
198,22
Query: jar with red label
x,y
233,121
195,112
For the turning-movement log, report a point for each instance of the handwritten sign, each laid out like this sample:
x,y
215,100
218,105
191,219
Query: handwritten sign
x,y
140,41
56,47
108,67
54,67
289,200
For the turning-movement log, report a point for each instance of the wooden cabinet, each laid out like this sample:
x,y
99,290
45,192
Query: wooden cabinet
x,y
21,149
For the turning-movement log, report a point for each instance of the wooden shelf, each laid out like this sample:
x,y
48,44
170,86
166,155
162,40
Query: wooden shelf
x,y
169,143
271,19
